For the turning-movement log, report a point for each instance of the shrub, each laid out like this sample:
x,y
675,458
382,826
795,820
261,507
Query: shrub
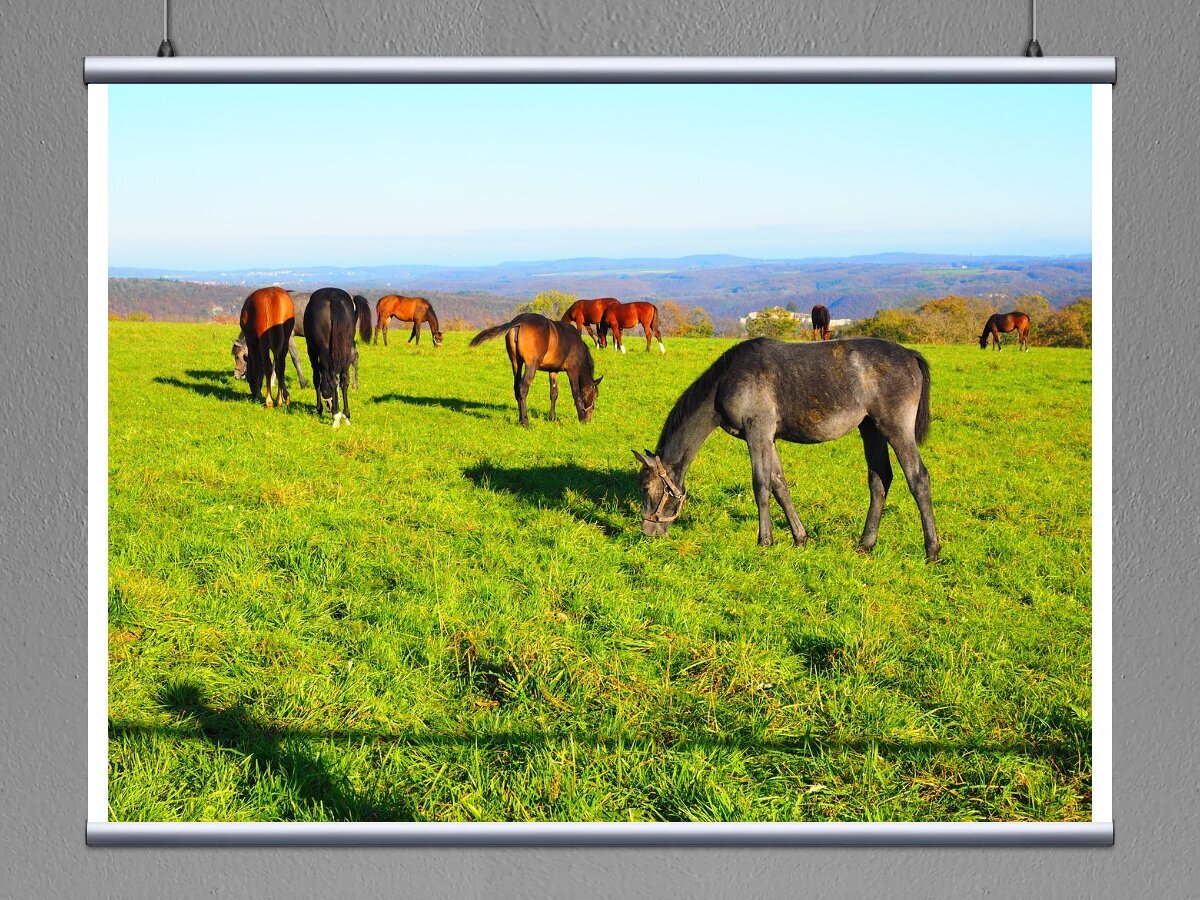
x,y
775,322
551,304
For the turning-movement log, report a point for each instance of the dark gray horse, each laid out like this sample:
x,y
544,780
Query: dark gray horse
x,y
762,389
240,354
329,320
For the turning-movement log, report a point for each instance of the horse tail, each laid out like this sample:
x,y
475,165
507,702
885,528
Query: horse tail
x,y
341,338
923,414
362,310
488,333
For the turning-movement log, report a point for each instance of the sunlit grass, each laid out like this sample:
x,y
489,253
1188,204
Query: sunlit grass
x,y
435,614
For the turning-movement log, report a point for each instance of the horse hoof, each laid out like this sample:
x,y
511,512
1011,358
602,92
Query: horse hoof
x,y
933,555
800,541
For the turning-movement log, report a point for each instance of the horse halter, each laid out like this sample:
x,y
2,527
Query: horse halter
x,y
673,491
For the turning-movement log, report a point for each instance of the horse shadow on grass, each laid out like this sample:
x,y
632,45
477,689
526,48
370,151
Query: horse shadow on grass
x,y
282,752
205,387
598,496
454,404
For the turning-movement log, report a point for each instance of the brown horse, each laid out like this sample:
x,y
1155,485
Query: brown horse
x,y
1006,322
407,309
630,315
585,315
820,323
537,344
267,319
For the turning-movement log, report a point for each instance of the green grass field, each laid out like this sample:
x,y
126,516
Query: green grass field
x,y
434,614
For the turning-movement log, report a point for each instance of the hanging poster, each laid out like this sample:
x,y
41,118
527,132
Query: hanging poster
x,y
583,462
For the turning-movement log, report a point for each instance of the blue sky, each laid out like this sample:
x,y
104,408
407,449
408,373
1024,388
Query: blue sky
x,y
239,176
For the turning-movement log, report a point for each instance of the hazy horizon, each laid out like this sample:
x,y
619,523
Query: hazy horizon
x,y
616,259
212,177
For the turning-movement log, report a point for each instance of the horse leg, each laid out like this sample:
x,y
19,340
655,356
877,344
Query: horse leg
x,y
762,470
267,368
783,496
646,331
918,483
879,479
384,325
343,380
281,375
662,348
415,333
553,395
295,355
617,338
254,372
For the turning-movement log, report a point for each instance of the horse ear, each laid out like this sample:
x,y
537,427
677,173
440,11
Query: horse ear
x,y
644,460
598,380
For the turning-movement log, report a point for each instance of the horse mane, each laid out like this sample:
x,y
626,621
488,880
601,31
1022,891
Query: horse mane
x,y
696,394
987,326
431,316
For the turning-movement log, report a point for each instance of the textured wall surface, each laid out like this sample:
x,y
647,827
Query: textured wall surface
x,y
43,239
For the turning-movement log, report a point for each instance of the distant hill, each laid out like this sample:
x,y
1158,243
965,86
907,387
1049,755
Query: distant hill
x,y
727,286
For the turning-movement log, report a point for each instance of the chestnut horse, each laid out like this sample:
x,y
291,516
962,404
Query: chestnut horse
x,y
407,309
537,344
630,315
267,319
585,315
1006,322
820,323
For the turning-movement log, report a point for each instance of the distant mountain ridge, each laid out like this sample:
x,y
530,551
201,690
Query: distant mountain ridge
x,y
726,285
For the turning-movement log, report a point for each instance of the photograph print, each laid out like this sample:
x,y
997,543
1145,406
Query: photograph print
x,y
599,453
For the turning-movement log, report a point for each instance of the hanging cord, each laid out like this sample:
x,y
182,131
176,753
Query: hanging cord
x,y
1033,48
166,48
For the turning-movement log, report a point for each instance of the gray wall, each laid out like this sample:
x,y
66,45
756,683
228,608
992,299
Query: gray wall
x,y
42,422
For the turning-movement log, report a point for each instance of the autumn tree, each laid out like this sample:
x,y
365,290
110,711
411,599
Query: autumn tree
x,y
551,304
677,320
775,322
1070,326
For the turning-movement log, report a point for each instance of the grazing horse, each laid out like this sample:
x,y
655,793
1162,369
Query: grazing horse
x,y
407,309
585,315
820,323
329,320
630,315
537,344
241,356
763,389
267,319
1006,322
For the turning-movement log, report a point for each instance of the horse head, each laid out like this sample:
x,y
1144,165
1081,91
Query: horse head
x,y
241,357
437,339
585,399
662,495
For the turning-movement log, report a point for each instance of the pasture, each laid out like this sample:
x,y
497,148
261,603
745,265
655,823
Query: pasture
x,y
433,614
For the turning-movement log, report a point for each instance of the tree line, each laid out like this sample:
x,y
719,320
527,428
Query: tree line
x,y
960,320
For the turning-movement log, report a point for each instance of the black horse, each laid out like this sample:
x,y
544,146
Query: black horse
x,y
820,323
329,320
762,389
